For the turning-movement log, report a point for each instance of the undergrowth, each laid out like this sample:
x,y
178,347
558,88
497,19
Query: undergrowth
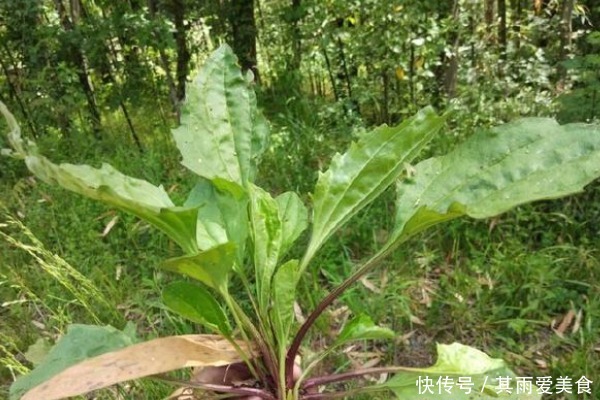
x,y
523,286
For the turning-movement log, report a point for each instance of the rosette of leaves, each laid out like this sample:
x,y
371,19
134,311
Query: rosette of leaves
x,y
228,227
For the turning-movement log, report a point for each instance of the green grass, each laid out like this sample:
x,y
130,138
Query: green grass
x,y
497,285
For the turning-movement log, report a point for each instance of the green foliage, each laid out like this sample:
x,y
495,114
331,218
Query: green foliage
x,y
362,328
581,103
516,163
210,267
484,176
455,361
220,107
196,304
284,295
357,177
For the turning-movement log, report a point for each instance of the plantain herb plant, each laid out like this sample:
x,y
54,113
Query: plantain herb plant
x,y
230,228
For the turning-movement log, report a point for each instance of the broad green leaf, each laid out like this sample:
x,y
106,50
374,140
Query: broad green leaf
x,y
284,294
358,176
362,328
294,218
37,352
266,235
222,217
136,196
210,267
196,304
496,170
456,361
79,343
137,361
222,134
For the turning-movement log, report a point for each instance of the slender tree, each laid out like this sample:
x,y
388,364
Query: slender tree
x,y
243,30
489,12
517,10
296,35
566,16
502,36
76,58
178,10
451,72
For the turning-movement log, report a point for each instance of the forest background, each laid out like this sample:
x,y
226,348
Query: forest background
x,y
95,80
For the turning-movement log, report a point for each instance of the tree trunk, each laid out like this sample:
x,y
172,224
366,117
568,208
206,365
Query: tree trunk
x,y
77,60
565,36
489,12
385,112
164,61
243,28
336,94
10,78
345,71
451,73
296,36
502,27
517,9
183,53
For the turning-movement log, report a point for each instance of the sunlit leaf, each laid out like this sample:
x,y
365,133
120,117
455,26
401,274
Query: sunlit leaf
x,y
400,74
358,176
79,343
496,170
37,352
196,304
210,267
458,362
362,328
136,196
222,217
266,234
294,218
284,294
137,361
222,134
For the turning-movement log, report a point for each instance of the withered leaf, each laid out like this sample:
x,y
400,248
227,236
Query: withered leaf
x,y
137,361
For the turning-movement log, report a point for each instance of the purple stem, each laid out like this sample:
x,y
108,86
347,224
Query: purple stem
x,y
326,302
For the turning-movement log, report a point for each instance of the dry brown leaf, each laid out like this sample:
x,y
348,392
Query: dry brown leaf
x,y
38,324
404,339
577,323
110,225
425,298
363,360
349,349
492,224
340,313
371,363
369,285
183,393
565,323
137,361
